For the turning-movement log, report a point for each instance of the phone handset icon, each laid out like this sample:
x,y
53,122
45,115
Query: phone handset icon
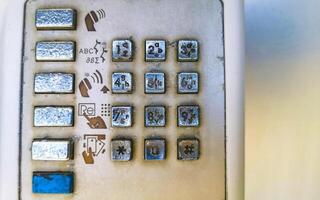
x,y
93,17
84,87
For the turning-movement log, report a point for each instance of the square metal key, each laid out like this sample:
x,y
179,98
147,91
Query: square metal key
x,y
188,149
155,50
121,150
188,50
188,116
122,50
154,83
121,116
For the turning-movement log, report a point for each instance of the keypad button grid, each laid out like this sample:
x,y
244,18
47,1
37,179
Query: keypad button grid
x,y
171,110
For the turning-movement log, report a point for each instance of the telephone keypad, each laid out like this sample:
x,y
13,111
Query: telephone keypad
x,y
144,87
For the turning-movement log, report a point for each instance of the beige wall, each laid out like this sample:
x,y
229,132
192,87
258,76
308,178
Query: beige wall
x,y
283,100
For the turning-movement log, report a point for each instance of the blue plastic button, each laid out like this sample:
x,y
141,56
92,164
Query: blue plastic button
x,y
52,182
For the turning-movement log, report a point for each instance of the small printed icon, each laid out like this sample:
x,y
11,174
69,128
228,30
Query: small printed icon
x,y
189,149
88,108
95,122
86,85
93,147
93,17
105,110
96,53
103,46
105,90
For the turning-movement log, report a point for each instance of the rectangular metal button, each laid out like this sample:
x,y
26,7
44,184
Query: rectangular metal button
x,y
53,116
55,51
56,19
53,82
52,182
52,149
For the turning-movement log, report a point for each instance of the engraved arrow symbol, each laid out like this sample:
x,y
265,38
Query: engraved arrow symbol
x,y
105,90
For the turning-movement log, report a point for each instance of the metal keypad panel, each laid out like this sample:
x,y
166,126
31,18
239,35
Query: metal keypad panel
x,y
121,99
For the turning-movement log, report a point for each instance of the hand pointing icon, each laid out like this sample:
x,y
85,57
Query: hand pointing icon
x,y
95,122
88,156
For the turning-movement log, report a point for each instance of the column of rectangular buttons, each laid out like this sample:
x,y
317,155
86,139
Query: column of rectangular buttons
x,y
61,149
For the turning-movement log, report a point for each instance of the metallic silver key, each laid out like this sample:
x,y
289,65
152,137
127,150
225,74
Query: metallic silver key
x,y
154,83
121,150
52,149
121,116
188,50
188,149
154,149
55,51
122,51
155,116
56,19
155,50
53,82
122,83
53,116
188,83
188,116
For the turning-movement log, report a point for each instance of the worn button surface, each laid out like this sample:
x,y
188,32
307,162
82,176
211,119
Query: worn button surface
x,y
52,149
121,150
53,116
55,51
155,50
188,116
56,19
154,83
188,50
155,116
188,149
121,116
122,50
122,82
154,149
53,82
52,182
188,82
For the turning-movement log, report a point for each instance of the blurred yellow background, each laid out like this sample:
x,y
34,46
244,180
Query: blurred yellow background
x,y
282,100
